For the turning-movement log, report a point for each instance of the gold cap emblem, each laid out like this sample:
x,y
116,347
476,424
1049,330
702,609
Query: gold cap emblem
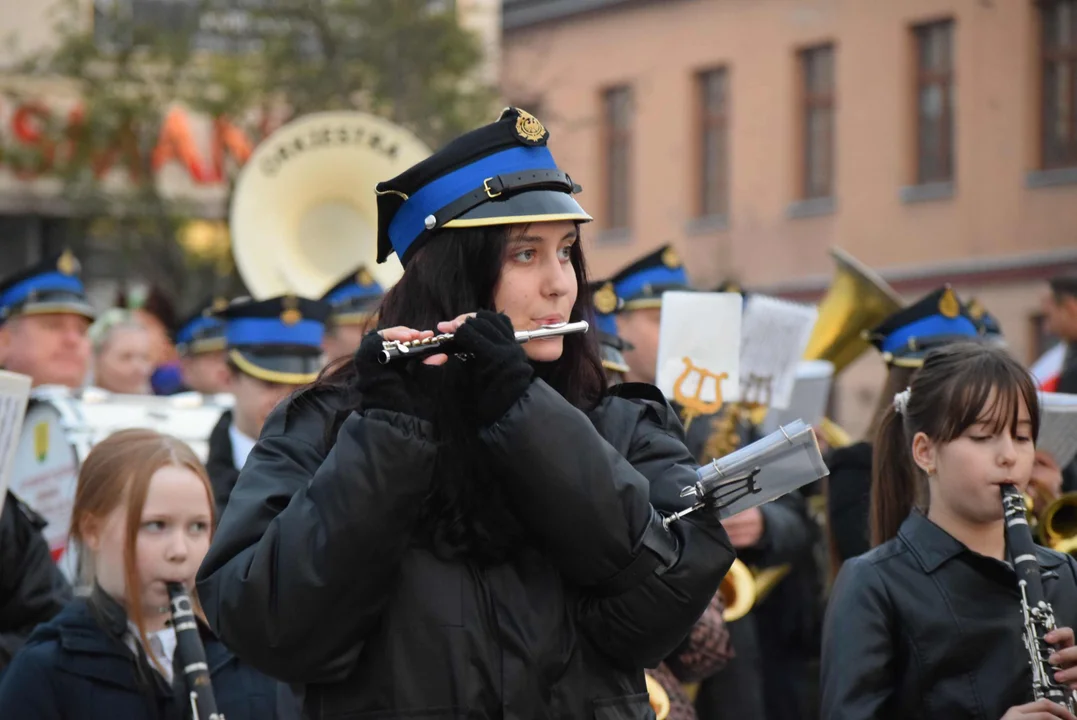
x,y
670,258
605,299
975,309
949,305
291,314
364,278
219,304
67,264
529,128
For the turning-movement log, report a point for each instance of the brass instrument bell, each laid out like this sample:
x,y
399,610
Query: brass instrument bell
x,y
857,301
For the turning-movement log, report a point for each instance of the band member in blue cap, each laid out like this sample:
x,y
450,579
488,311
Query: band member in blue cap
x,y
352,302
200,344
903,339
273,347
605,302
483,528
44,319
639,288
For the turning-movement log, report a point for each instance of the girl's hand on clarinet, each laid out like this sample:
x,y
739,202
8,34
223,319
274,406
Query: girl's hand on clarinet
x,y
1039,710
1065,656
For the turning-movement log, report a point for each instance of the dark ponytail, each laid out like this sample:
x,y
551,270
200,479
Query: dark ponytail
x,y
897,485
951,392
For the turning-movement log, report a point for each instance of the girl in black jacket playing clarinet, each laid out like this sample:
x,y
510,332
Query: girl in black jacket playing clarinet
x,y
929,623
478,533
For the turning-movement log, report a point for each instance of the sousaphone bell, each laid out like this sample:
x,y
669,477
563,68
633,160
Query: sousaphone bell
x,y
304,210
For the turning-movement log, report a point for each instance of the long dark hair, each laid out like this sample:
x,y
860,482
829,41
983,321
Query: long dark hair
x,y
949,394
457,272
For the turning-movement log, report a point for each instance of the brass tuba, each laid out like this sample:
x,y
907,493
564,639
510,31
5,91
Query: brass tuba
x,y
857,300
304,212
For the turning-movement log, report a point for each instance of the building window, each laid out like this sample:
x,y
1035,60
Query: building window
x,y
714,143
618,118
934,102
817,82
1059,50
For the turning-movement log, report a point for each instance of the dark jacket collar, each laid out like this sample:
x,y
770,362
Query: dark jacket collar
x,y
932,546
220,443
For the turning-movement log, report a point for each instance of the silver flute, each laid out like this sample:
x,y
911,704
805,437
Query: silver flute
x,y
395,349
1039,616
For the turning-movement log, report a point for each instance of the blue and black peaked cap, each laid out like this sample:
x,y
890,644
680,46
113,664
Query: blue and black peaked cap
x,y
277,340
937,319
52,286
498,174
202,331
354,298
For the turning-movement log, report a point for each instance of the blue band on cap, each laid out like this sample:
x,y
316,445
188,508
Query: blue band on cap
x,y
928,327
410,220
351,292
47,282
605,323
272,331
659,276
189,332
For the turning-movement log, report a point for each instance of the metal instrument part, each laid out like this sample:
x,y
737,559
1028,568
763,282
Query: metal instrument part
x,y
192,655
394,349
1038,615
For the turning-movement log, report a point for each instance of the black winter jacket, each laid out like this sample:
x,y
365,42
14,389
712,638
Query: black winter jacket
x,y
313,576
32,588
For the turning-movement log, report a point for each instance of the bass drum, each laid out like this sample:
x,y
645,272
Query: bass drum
x,y
62,426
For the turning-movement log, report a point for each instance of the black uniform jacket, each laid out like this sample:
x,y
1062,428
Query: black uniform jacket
x,y
221,464
313,578
32,588
922,627
78,667
849,499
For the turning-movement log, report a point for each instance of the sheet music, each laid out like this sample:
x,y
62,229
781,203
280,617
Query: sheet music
x,y
811,392
774,336
788,459
698,345
14,394
1058,426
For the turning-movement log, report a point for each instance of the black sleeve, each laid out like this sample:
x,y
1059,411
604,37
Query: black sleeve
x,y
32,588
597,514
313,533
857,679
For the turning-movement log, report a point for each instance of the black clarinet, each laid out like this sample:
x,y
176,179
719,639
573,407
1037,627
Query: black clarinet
x,y
192,655
1038,615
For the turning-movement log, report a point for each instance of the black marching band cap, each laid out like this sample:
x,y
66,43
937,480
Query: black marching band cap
x,y
52,286
935,320
277,340
354,298
605,302
498,174
203,330
641,284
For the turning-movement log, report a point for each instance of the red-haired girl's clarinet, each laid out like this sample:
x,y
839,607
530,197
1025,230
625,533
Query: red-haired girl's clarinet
x,y
192,655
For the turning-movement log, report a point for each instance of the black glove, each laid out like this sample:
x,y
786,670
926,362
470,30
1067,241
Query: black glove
x,y
385,387
499,370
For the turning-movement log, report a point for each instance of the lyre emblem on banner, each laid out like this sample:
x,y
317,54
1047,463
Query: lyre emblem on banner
x,y
694,405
